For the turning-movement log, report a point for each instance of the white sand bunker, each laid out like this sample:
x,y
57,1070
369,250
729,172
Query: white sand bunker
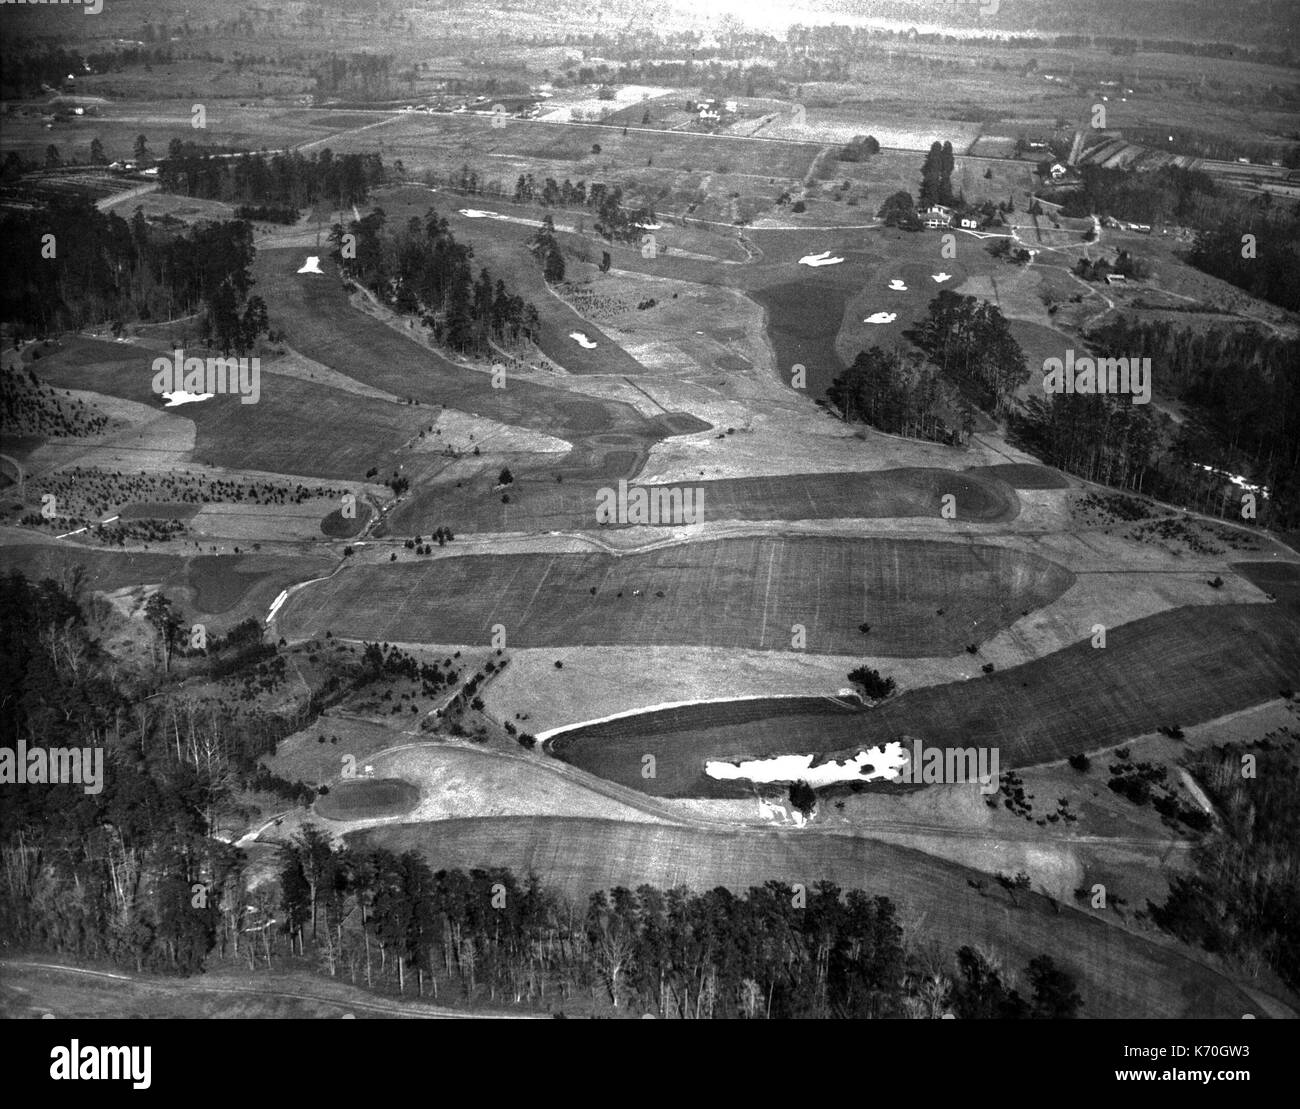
x,y
881,317
582,340
171,400
312,265
885,763
822,259
479,213
897,285
940,277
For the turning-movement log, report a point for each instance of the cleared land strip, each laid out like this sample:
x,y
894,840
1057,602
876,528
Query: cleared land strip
x,y
539,503
921,598
1120,974
1184,666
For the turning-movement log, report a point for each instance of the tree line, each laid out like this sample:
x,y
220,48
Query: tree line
x,y
773,951
280,180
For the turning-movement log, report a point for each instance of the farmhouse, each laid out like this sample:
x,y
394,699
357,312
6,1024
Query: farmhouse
x,y
968,222
1116,279
931,221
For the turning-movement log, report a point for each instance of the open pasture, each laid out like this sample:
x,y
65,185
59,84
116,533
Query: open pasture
x,y
921,598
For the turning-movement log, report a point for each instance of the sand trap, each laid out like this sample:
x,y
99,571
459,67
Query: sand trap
x,y
897,285
885,763
312,265
582,340
940,277
479,213
173,399
822,259
881,317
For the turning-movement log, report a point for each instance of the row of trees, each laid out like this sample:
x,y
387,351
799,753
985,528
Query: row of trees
x,y
613,220
99,268
773,951
282,179
421,269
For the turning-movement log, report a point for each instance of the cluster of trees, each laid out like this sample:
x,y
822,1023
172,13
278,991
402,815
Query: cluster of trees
x,y
1242,405
280,180
108,270
896,392
971,343
1243,899
381,660
1166,195
613,220
27,66
1126,264
368,76
936,176
28,407
422,270
875,685
899,210
859,149
546,250
774,951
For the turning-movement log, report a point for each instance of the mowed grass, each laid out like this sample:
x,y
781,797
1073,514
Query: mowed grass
x,y
921,598
1181,667
320,323
1119,974
281,433
542,504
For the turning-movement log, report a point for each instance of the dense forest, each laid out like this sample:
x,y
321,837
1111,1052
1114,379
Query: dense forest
x,y
899,393
284,180
422,270
1243,899
1242,417
74,266
971,343
971,360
